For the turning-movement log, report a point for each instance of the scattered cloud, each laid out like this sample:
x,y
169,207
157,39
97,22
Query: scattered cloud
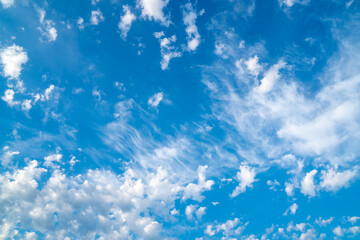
x,y
47,28
307,184
189,18
96,17
153,10
12,59
9,98
246,178
168,51
155,100
126,21
334,181
292,209
80,23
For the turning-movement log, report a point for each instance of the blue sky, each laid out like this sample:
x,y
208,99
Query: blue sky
x,y
163,119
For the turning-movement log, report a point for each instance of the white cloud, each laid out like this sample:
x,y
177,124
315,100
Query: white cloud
x,y
168,51
307,184
290,3
354,219
189,210
80,202
334,181
293,208
31,236
289,189
324,222
12,59
324,124
155,100
94,2
26,105
47,28
96,17
273,184
246,178
192,210
200,212
193,36
126,21
49,160
174,212
7,3
153,10
354,230
310,234
47,93
194,191
210,231
80,23
338,231
252,64
9,98
7,157
231,228
270,77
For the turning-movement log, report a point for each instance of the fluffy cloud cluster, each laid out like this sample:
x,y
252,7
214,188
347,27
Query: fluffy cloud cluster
x,y
47,28
126,21
153,10
193,36
12,58
168,51
155,100
124,206
231,228
96,17
246,178
267,114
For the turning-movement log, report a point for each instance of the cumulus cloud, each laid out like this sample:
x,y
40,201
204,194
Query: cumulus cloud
x,y
153,10
7,3
253,66
270,77
126,21
47,28
354,219
49,160
26,105
338,231
8,156
246,178
96,17
9,98
289,189
307,184
290,3
87,200
324,222
168,51
12,59
189,18
334,181
192,210
155,100
292,209
231,228
194,191
80,23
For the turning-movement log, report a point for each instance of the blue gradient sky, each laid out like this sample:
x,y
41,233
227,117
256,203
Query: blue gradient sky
x,y
162,119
